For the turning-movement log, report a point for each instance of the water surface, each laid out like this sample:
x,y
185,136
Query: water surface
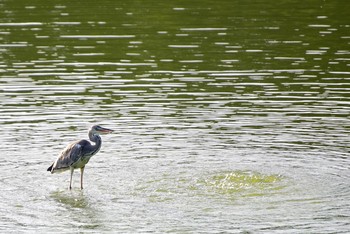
x,y
230,117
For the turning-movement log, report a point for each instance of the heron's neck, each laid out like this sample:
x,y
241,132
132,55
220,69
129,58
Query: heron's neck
x,y
95,138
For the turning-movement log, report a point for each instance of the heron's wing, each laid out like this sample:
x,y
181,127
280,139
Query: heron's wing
x,y
69,156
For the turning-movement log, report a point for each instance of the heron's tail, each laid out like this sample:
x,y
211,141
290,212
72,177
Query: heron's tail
x,y
50,168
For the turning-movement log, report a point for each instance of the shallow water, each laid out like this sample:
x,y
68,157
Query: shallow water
x,y
227,118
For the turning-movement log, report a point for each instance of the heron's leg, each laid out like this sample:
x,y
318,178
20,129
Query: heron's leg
x,y
81,177
71,176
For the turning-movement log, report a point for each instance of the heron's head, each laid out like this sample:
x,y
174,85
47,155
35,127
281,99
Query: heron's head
x,y
96,129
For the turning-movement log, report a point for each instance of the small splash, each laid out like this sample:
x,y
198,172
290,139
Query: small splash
x,y
249,182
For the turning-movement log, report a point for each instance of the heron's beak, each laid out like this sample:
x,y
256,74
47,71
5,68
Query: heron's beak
x,y
105,130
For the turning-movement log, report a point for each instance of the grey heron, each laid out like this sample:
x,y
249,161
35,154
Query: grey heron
x,y
78,153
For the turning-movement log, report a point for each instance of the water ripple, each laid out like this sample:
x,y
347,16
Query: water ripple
x,y
219,112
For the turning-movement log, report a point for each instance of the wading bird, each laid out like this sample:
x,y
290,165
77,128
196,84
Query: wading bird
x,y
78,153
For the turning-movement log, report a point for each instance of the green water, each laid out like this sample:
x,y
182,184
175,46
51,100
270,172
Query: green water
x,y
229,117
240,181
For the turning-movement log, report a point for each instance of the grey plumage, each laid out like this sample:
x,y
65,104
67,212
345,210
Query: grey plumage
x,y
78,153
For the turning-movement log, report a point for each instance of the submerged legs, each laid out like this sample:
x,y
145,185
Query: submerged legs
x,y
81,177
71,176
